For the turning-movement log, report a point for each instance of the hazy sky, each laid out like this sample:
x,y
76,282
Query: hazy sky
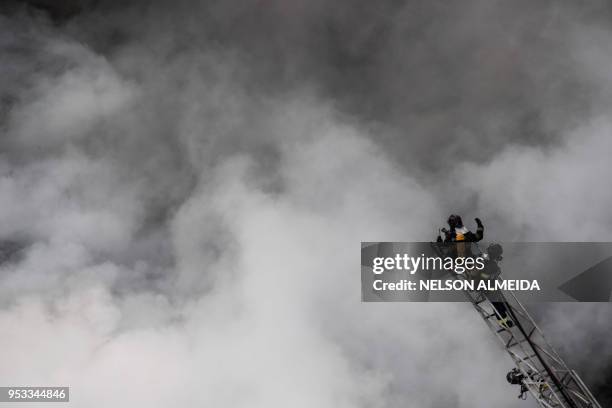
x,y
188,183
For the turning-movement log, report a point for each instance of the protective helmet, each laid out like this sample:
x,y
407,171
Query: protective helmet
x,y
515,376
495,252
454,221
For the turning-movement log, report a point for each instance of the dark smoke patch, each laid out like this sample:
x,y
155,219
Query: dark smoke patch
x,y
603,387
58,11
440,80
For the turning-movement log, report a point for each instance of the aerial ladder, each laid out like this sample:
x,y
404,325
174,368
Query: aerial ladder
x,y
539,370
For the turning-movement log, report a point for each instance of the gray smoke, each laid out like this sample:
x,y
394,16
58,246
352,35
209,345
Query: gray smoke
x,y
184,188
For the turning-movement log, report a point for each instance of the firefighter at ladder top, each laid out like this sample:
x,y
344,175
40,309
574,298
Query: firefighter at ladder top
x,y
493,256
459,233
458,237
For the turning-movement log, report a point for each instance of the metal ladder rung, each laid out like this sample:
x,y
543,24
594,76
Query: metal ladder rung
x,y
502,330
515,343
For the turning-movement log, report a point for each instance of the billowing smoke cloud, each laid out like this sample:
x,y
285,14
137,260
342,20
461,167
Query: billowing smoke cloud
x,y
184,187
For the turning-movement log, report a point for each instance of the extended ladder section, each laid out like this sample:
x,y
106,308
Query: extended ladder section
x,y
544,373
540,369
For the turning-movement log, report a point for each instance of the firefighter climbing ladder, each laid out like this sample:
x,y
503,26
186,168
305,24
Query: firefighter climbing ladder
x,y
539,369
